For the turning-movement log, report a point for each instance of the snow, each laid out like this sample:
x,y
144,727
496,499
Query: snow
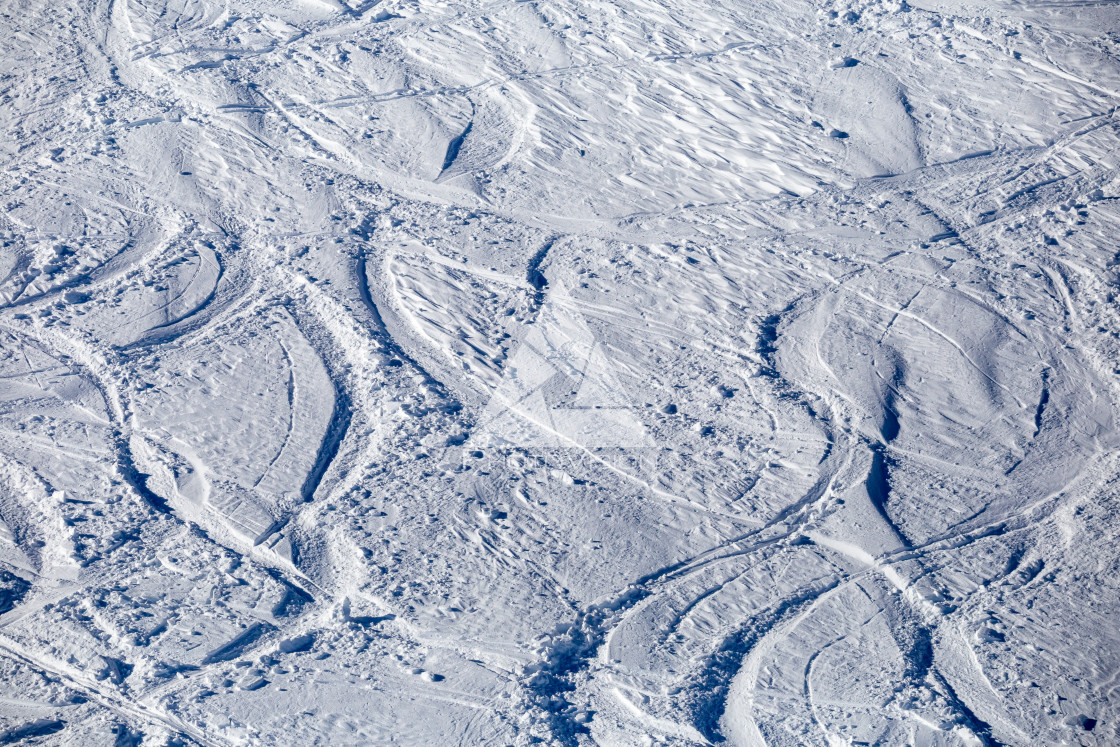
x,y
616,373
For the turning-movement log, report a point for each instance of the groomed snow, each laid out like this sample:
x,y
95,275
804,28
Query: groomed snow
x,y
499,372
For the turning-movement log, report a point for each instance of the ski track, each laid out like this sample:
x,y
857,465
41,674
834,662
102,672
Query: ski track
x,y
847,269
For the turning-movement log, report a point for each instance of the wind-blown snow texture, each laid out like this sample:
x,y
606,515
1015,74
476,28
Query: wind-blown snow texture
x,y
567,372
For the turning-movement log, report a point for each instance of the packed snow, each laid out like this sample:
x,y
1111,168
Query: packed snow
x,y
599,372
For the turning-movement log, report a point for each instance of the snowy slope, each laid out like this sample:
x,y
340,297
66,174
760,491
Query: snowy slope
x,y
516,372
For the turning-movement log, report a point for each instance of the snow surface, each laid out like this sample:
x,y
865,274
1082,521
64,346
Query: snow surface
x,y
606,372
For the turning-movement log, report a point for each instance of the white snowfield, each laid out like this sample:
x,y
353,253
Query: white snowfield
x,y
564,372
